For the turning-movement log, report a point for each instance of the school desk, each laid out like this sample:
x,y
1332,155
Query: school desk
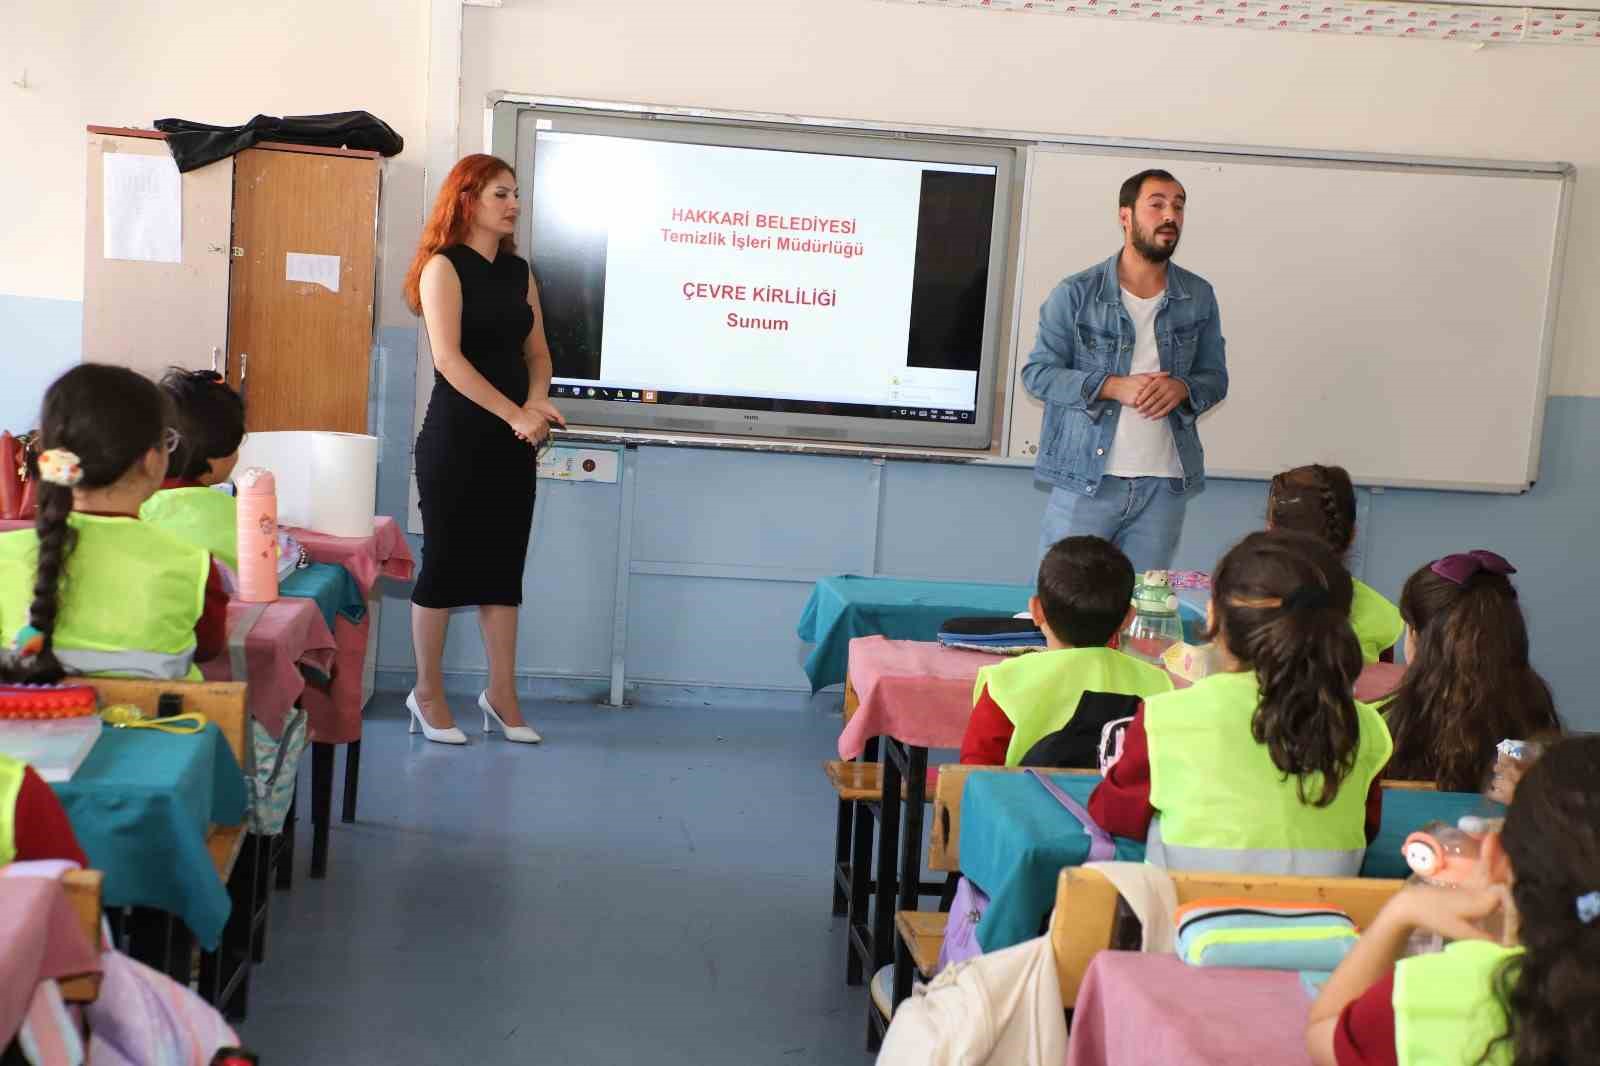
x,y
41,939
1015,838
1135,1009
335,710
141,806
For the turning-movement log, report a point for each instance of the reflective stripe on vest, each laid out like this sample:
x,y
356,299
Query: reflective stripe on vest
x,y
1377,622
129,663
10,789
1223,805
128,587
1296,862
205,517
1446,1009
1039,692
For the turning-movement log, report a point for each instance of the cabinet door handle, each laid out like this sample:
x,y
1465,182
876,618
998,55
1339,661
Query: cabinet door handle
x,y
244,369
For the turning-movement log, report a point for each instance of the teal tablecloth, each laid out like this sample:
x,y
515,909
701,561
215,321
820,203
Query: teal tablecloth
x,y
331,585
1015,838
141,804
845,607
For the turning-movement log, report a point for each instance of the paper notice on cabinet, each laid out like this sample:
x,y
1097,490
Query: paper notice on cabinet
x,y
143,208
314,269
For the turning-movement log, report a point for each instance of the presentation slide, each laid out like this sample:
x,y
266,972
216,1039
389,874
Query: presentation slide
x,y
738,277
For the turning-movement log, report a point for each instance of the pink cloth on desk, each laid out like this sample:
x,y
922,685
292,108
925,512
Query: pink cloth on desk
x,y
288,633
335,710
1135,1009
1379,680
40,940
384,554
917,691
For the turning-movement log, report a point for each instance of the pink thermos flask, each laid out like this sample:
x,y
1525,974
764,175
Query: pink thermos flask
x,y
258,535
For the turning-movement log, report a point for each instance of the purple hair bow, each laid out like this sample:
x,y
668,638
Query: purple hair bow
x,y
1460,567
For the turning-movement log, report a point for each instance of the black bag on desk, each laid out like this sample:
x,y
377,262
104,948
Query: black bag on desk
x,y
194,144
1076,745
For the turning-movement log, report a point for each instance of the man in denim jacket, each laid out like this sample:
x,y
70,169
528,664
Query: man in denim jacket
x,y
1130,353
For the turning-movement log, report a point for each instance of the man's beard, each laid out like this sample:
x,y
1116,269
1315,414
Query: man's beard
x,y
1145,244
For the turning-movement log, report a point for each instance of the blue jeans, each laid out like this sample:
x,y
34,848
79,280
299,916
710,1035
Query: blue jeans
x,y
1142,515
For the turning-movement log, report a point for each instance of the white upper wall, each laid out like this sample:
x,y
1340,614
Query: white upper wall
x,y
117,64
938,66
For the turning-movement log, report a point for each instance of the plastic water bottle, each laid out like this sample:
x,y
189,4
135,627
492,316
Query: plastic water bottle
x,y
258,535
1156,624
1446,856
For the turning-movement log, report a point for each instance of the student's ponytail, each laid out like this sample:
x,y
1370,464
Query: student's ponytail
x,y
1552,837
1282,606
103,419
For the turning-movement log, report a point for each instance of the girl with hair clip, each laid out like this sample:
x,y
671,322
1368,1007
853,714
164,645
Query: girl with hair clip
x,y
1270,766
91,589
1533,1000
1321,501
1468,682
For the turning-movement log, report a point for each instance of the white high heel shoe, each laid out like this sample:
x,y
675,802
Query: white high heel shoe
x,y
451,735
517,734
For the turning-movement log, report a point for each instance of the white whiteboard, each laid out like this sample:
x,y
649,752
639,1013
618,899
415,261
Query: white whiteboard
x,y
1394,319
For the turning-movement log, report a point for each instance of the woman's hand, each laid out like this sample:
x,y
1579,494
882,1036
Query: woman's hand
x,y
529,426
532,421
546,410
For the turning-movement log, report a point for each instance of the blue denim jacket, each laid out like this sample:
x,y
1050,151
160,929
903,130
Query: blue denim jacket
x,y
1085,336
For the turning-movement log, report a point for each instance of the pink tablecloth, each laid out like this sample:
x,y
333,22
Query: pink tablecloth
x,y
1153,1010
335,710
916,691
40,939
384,554
289,633
920,692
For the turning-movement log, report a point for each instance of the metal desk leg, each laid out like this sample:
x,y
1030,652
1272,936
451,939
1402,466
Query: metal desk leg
x,y
352,778
321,805
884,897
910,865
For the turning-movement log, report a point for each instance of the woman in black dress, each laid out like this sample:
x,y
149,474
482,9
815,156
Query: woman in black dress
x,y
475,456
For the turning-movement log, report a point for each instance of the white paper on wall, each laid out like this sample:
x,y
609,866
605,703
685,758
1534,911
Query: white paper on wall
x,y
314,269
143,205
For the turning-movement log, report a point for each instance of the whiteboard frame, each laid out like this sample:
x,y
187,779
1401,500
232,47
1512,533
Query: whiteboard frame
x,y
499,122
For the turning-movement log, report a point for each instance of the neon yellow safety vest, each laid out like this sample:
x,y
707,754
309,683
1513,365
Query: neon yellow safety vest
x,y
207,518
10,789
1039,692
1223,806
1377,622
1446,1012
130,598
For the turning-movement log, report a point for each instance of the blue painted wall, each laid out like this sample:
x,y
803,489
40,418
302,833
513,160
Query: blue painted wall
x,y
38,340
725,545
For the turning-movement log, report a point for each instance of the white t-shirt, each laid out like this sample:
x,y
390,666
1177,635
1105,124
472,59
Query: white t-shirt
x,y
1143,447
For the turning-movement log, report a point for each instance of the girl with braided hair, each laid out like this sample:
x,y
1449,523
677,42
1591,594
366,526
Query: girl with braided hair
x,y
1321,501
91,589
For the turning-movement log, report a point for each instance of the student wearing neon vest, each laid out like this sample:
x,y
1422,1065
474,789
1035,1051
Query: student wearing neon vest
x,y
210,420
1270,766
1321,501
33,824
1531,1001
91,589
1084,591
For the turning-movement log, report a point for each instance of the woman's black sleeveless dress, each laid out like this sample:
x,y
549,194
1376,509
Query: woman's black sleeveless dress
x,y
475,479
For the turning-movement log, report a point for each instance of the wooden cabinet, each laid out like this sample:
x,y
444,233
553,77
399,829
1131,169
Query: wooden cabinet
x,y
299,351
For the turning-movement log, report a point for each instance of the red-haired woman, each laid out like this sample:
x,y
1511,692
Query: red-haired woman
x,y
475,456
